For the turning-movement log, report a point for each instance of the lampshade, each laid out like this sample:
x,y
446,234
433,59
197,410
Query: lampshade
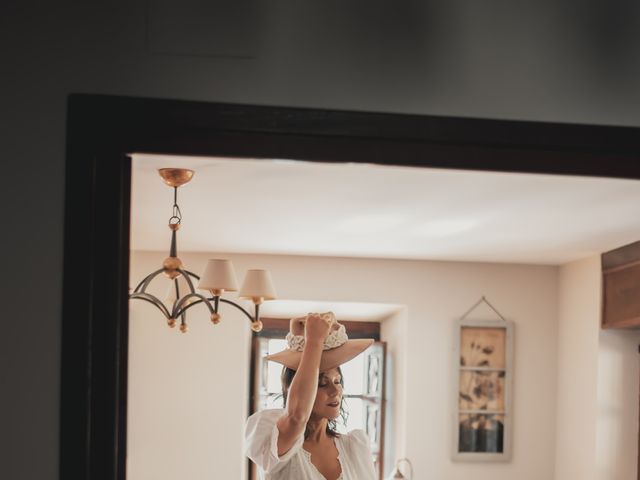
x,y
258,284
397,474
218,275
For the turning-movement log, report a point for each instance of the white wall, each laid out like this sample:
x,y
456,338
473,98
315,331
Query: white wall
x,y
187,392
523,60
578,325
435,294
394,331
617,406
598,373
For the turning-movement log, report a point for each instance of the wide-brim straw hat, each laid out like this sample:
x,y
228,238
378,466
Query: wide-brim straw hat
x,y
337,348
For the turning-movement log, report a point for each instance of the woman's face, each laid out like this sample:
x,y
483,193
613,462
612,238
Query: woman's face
x,y
329,396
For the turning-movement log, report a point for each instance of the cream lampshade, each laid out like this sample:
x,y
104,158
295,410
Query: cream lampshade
x,y
258,286
397,474
218,277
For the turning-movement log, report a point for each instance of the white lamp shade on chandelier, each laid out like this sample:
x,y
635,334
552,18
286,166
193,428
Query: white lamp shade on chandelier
x,y
258,284
397,474
218,275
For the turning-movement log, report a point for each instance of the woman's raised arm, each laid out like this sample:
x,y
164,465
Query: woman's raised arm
x,y
304,386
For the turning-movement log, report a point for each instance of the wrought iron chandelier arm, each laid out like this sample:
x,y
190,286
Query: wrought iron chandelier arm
x,y
180,308
144,283
151,299
207,301
230,302
190,274
186,274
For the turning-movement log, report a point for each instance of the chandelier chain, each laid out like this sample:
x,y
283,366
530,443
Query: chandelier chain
x,y
176,217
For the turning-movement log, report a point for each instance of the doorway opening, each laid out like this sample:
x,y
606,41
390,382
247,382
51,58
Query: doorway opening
x,y
103,131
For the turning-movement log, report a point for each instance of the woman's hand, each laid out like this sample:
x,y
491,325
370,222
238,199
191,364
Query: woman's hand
x,y
318,326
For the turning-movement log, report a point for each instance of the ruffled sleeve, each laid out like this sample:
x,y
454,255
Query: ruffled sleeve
x,y
261,441
360,454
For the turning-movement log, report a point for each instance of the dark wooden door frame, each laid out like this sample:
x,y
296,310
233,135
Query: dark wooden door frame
x,y
103,130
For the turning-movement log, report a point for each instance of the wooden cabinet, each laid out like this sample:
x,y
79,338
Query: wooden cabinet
x,y
621,287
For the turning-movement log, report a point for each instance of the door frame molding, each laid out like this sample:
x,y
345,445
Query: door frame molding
x,y
103,130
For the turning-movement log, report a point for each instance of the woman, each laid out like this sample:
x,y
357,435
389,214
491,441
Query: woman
x,y
299,442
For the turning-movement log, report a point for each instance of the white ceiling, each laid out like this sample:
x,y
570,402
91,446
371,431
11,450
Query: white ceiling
x,y
362,210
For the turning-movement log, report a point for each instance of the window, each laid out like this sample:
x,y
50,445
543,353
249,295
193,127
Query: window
x,y
363,389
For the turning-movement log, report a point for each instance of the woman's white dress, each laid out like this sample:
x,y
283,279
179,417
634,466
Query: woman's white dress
x,y
261,446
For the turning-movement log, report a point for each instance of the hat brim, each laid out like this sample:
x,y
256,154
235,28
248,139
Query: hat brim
x,y
330,358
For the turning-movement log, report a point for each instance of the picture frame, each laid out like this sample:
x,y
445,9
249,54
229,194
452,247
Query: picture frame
x,y
482,391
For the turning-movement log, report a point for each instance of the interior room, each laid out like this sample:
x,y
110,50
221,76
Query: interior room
x,y
526,61
412,250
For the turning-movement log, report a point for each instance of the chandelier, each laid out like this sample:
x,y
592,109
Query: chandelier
x,y
218,277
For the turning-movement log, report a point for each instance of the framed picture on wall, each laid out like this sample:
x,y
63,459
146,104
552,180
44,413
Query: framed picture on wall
x,y
483,385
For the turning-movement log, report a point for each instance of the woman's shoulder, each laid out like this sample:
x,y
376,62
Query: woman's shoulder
x,y
357,452
267,413
356,439
263,418
261,441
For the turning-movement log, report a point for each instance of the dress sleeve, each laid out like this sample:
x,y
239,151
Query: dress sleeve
x,y
261,441
361,454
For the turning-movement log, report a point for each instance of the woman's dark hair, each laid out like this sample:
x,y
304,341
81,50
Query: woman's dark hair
x,y
287,378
